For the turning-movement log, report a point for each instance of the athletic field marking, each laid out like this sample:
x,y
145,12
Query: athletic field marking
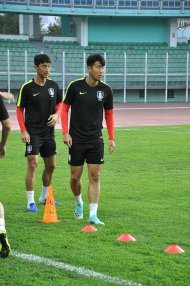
x,y
150,108
12,111
79,270
153,131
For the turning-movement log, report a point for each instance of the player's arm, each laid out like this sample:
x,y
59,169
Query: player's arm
x,y
20,117
21,103
109,117
6,128
7,95
64,123
52,120
67,102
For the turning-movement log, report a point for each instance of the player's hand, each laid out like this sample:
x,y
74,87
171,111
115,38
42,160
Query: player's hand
x,y
52,120
2,151
7,95
25,137
67,140
111,145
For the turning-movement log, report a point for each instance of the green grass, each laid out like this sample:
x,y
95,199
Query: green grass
x,y
144,192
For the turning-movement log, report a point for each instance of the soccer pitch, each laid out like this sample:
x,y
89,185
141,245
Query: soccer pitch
x,y
144,192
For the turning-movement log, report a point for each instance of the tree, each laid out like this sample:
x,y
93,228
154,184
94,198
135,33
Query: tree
x,y
9,24
54,28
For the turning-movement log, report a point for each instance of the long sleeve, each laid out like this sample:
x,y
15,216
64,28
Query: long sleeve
x,y
64,117
110,123
20,118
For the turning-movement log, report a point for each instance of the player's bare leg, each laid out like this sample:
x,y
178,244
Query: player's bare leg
x,y
32,161
50,164
94,192
4,244
76,187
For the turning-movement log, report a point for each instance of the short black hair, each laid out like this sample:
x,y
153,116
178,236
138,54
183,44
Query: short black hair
x,y
41,58
94,58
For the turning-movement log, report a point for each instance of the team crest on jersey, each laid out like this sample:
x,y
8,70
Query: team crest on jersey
x,y
100,95
51,92
29,148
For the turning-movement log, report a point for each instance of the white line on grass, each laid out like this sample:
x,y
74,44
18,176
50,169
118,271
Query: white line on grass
x,y
153,131
78,270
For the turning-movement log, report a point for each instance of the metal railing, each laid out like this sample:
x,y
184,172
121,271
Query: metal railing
x,y
123,4
122,72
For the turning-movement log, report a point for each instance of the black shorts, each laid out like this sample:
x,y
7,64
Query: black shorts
x,y
38,144
93,153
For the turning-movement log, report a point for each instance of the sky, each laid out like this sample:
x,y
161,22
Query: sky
x,y
184,32
46,20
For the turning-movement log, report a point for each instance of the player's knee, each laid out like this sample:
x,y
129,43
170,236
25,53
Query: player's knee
x,y
95,177
75,179
7,125
32,166
8,128
50,169
32,169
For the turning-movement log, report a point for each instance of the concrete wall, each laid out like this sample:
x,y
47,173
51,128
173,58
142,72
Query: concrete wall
x,y
125,29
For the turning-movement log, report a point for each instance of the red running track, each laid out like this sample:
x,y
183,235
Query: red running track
x,y
150,114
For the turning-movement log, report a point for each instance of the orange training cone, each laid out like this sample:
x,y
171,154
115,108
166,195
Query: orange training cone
x,y
174,248
89,228
126,237
50,214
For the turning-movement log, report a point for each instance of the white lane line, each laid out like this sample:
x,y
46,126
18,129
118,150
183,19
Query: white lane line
x,y
78,270
153,131
11,111
150,108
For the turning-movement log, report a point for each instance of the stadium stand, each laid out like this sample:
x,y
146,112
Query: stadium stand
x,y
17,64
144,60
135,52
137,71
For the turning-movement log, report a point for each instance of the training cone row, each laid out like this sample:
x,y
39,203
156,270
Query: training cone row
x,y
50,216
50,213
174,248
